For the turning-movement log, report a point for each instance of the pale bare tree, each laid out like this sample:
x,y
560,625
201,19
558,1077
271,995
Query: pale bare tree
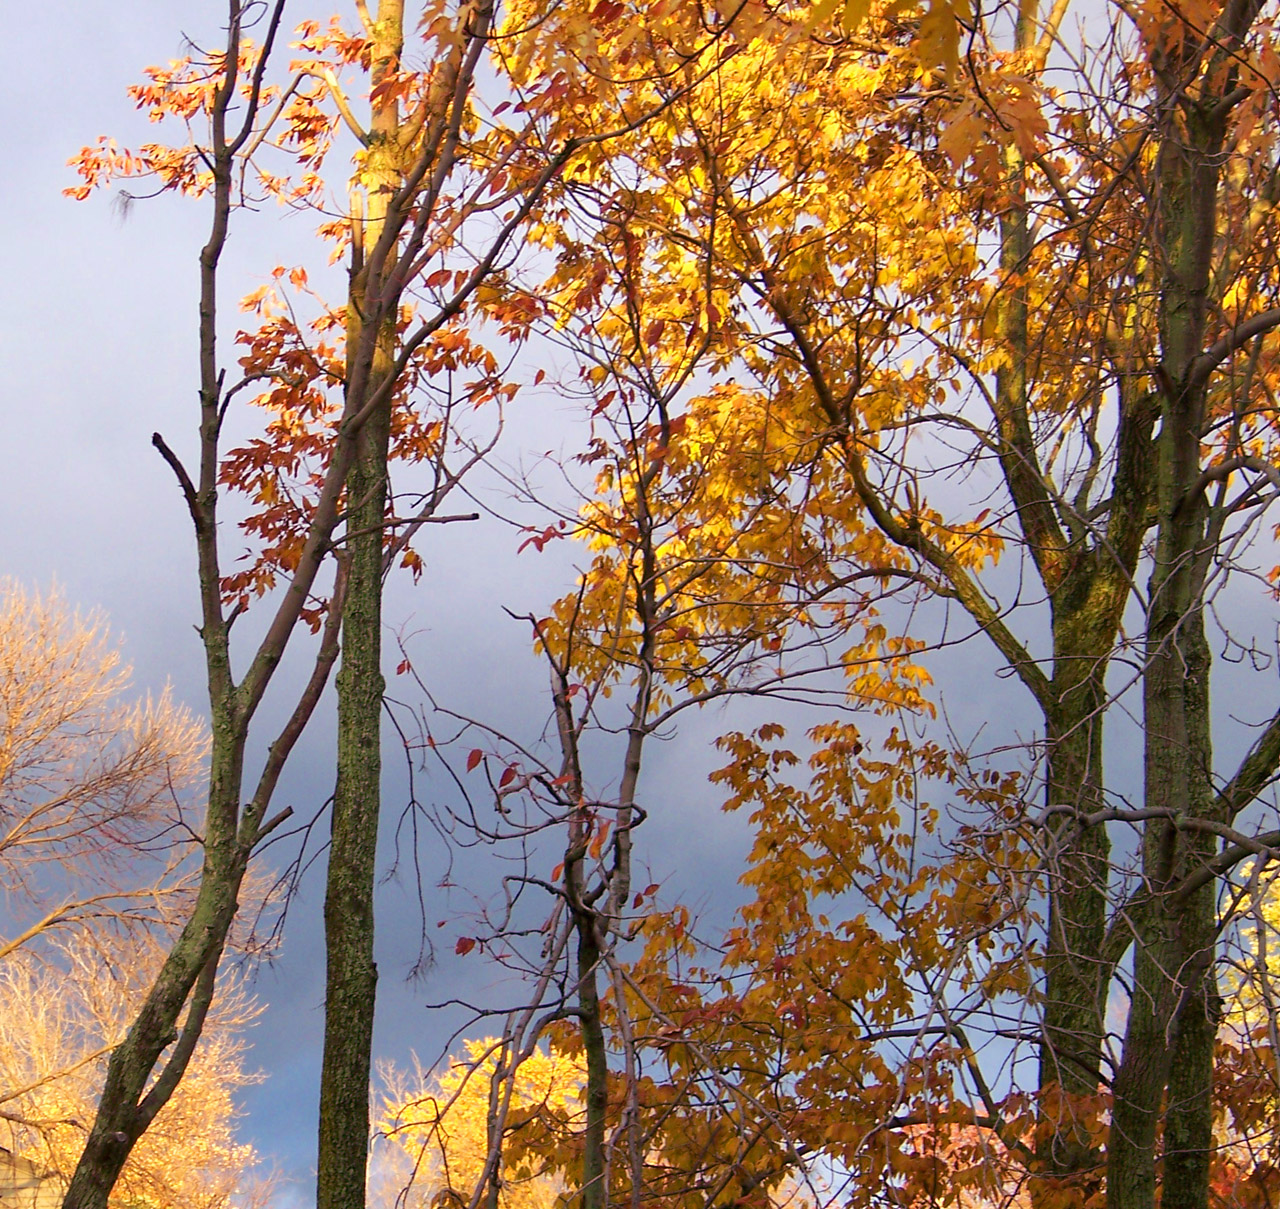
x,y
93,830
61,1012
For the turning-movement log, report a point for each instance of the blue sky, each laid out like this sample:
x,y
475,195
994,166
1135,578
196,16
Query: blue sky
x,y
97,351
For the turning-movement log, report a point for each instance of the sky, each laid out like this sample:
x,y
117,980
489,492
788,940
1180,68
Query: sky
x,y
97,351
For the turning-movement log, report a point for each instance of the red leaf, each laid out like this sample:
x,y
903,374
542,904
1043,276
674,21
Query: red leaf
x,y
474,759
508,775
465,945
606,11
402,667
539,540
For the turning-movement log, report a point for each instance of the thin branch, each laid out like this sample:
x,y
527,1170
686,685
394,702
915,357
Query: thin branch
x,y
184,479
1232,342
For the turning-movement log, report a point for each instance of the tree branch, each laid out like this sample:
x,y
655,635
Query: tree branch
x,y
1232,342
184,479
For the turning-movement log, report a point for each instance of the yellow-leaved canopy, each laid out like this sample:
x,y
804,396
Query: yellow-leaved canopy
x,y
444,1123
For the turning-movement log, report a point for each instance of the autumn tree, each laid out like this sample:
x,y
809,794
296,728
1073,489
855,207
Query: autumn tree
x,y
1064,287
95,823
60,1015
659,625
97,828
444,1124
430,173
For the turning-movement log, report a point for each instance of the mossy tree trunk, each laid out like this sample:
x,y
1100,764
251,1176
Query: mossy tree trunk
x,y
1166,1071
350,973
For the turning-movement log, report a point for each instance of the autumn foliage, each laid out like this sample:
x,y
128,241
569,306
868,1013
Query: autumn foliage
x,y
97,836
892,328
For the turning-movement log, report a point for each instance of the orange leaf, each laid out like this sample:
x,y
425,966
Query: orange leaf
x,y
596,847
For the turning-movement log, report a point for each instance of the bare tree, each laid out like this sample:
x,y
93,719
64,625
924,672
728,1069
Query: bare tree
x,y
96,823
61,1013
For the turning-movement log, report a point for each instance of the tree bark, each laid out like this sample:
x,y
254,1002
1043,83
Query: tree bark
x,y
1165,1074
350,973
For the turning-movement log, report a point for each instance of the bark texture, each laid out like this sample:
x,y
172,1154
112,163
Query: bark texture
x,y
1165,1073
350,973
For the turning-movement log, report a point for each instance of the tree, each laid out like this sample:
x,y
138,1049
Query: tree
x,y
96,834
146,1068
445,1125
95,827
1083,275
660,624
60,1015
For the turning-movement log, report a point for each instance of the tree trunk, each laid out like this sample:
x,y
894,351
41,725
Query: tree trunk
x,y
593,1044
1167,1061
1071,1049
128,1105
351,976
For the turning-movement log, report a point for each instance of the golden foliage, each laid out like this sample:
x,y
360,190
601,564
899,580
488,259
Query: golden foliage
x,y
445,1124
60,1014
92,784
95,827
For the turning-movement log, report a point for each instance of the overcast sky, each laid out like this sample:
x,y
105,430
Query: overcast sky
x,y
97,350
